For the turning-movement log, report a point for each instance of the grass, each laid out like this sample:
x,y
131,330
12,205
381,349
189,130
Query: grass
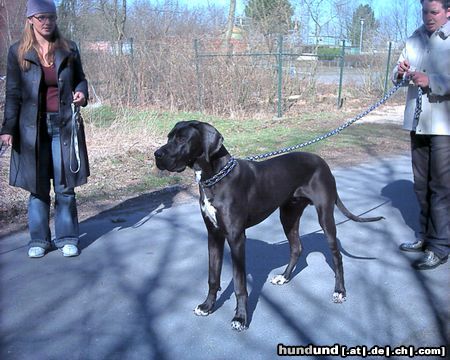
x,y
121,143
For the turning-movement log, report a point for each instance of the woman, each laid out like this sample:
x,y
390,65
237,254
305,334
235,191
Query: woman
x,y
44,77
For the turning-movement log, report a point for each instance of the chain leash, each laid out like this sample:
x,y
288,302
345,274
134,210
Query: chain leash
x,y
340,128
229,166
418,109
74,147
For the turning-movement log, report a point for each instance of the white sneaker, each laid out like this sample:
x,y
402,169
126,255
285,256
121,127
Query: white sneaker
x,y
69,250
36,252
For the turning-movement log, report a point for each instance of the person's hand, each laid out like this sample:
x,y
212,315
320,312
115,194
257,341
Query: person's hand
x,y
79,99
419,78
402,68
6,139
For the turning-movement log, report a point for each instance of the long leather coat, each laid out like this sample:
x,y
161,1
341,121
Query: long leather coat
x,y
21,119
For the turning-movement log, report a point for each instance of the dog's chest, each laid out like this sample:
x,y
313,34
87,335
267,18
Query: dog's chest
x,y
209,211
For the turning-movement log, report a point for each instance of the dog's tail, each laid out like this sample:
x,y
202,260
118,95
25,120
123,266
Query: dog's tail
x,y
354,217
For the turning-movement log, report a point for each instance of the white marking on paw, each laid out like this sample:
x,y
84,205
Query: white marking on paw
x,y
236,325
200,312
209,211
279,280
338,298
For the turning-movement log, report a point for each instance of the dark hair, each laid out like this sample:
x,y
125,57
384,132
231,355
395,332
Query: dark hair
x,y
445,3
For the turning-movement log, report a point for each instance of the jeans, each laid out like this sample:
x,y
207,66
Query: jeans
x,y
431,169
66,218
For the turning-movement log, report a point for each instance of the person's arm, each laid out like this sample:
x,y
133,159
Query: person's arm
x,y
13,98
81,93
439,77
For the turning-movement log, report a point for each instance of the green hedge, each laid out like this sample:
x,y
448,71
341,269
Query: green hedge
x,y
328,53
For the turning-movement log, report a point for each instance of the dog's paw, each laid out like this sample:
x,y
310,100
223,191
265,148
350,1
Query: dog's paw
x,y
238,325
279,280
200,312
339,298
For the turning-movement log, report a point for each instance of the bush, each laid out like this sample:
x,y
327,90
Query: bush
x,y
328,53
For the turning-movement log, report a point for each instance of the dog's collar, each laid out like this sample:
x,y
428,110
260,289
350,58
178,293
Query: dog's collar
x,y
229,166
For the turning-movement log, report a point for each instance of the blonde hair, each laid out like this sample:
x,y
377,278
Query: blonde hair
x,y
28,42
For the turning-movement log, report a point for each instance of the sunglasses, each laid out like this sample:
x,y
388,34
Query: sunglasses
x,y
45,18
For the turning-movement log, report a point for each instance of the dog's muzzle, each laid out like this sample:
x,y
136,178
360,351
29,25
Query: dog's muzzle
x,y
166,162
159,158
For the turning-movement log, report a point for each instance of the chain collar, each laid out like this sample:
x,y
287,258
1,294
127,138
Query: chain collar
x,y
229,166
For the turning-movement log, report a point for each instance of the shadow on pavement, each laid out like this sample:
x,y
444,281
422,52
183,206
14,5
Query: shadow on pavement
x,y
263,258
131,213
402,196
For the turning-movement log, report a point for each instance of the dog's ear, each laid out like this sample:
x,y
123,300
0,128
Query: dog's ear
x,y
180,125
212,140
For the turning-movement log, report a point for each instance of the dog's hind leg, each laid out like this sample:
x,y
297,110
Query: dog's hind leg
x,y
215,250
327,222
290,214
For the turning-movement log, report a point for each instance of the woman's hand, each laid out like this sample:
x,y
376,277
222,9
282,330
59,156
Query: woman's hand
x,y
419,78
402,68
79,99
6,139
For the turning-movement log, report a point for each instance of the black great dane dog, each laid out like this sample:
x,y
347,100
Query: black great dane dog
x,y
237,194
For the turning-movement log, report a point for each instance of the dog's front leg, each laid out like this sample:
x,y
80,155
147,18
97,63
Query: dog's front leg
x,y
215,251
237,247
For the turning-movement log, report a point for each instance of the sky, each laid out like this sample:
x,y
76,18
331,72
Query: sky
x,y
377,5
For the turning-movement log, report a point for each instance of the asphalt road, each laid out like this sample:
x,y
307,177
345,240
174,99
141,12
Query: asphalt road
x,y
143,269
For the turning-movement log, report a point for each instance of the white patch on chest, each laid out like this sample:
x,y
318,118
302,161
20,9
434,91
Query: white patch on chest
x,y
198,176
209,211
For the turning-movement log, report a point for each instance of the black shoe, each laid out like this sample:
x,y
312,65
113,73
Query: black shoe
x,y
416,246
429,261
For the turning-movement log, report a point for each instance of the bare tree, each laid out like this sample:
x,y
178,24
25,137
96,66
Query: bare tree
x,y
401,19
67,16
270,17
230,24
320,19
343,10
12,20
116,15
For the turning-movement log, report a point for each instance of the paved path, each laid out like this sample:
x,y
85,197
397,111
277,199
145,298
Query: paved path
x,y
390,114
143,269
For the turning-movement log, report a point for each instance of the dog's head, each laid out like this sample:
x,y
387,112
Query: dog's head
x,y
188,142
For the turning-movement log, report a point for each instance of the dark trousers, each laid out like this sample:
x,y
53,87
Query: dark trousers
x,y
431,169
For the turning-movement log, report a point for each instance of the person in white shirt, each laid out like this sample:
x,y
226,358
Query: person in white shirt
x,y
425,61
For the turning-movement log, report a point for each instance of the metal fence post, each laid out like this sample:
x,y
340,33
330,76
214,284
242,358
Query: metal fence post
x,y
280,75
341,73
199,81
134,90
387,67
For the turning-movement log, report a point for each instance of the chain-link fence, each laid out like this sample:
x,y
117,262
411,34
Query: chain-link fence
x,y
292,73
205,76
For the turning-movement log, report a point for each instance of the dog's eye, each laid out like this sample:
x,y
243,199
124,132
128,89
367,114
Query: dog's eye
x,y
180,139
